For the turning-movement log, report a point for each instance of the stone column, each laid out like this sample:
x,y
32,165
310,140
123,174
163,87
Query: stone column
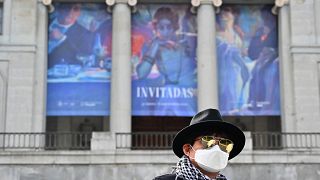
x,y
317,20
120,112
286,67
40,68
206,53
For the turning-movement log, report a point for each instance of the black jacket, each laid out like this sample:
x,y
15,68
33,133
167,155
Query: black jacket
x,y
168,177
173,177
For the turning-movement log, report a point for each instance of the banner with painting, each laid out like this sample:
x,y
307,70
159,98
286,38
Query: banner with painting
x,y
79,60
248,62
164,78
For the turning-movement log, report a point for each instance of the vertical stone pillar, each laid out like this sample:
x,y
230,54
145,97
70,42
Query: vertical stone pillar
x,y
4,66
206,54
286,68
40,68
120,112
317,19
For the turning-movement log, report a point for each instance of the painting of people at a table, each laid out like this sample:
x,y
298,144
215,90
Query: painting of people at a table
x,y
79,59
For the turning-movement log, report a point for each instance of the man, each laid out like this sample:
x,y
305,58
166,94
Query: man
x,y
264,88
67,38
204,147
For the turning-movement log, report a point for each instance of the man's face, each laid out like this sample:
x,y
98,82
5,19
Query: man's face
x,y
69,15
165,29
200,144
195,146
226,15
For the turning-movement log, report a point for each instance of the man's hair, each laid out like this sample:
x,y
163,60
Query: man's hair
x,y
166,13
66,7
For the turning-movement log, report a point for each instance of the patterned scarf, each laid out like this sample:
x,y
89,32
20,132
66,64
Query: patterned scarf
x,y
187,171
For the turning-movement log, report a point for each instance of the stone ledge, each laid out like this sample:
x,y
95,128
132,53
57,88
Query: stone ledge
x,y
305,49
147,156
21,48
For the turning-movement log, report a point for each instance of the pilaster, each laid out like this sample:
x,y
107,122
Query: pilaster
x,y
288,115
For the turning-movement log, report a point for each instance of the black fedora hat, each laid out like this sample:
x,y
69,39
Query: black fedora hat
x,y
207,122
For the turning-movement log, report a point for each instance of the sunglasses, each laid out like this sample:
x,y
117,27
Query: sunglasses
x,y
225,145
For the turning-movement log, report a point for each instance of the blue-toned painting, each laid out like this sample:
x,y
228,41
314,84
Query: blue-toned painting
x,y
79,60
248,63
164,78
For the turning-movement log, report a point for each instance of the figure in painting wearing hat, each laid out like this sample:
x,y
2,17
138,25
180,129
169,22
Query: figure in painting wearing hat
x,y
204,147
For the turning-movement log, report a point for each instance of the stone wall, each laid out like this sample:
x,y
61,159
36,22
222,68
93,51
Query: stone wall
x,y
148,171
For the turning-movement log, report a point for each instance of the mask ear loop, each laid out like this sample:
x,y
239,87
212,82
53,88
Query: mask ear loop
x,y
193,150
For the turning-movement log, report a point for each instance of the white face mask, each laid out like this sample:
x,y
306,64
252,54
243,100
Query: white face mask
x,y
211,160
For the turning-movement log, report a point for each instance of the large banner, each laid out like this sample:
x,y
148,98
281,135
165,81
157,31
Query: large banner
x,y
163,61
79,65
248,63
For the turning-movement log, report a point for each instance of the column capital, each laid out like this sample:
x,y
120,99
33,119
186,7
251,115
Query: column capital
x,y
48,4
279,4
131,3
215,3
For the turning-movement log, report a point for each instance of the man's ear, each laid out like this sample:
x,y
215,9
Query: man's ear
x,y
186,149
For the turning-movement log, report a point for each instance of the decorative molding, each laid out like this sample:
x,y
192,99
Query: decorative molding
x,y
281,3
217,3
196,3
305,49
278,4
131,3
25,48
42,157
48,4
110,2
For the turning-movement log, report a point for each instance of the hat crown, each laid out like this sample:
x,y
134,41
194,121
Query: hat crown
x,y
206,115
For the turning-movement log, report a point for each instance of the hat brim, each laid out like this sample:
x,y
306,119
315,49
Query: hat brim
x,y
232,132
